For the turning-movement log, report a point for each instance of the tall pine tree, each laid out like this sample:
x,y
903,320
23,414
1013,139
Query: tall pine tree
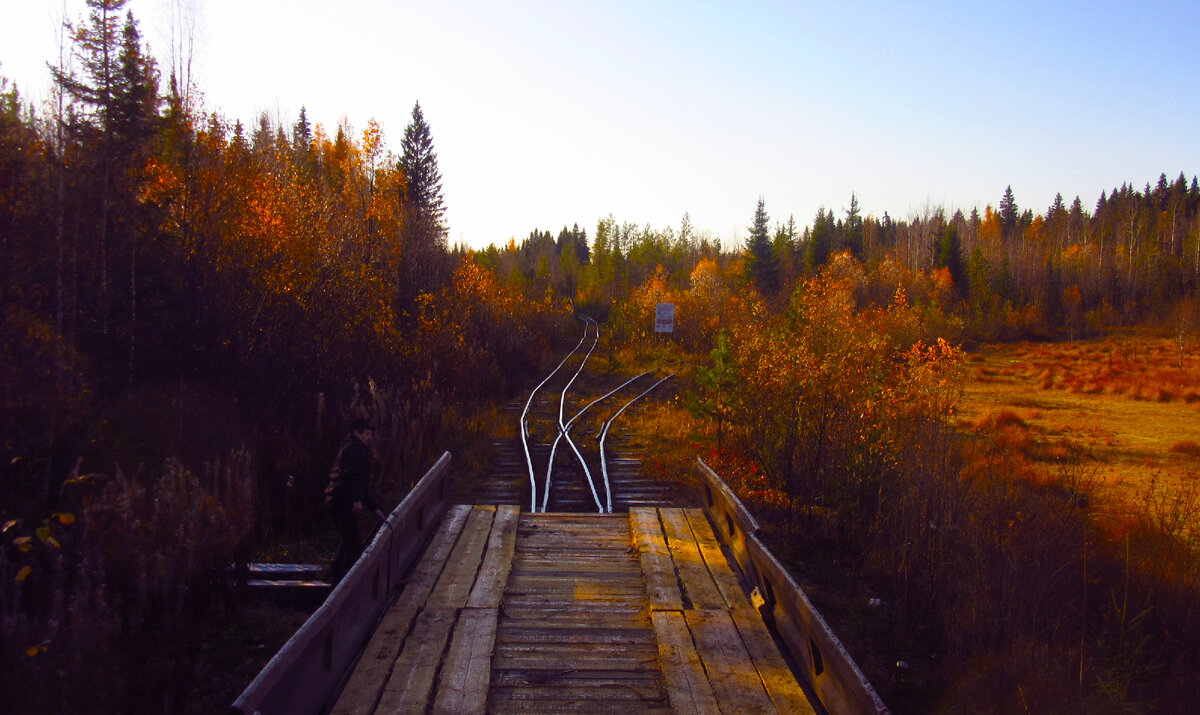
x,y
762,266
1008,213
424,231
820,241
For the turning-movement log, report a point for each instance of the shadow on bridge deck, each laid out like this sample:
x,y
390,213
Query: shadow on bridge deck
x,y
635,612
485,608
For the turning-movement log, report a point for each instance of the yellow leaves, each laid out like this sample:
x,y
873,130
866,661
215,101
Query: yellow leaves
x,y
1033,232
24,573
372,141
705,278
990,229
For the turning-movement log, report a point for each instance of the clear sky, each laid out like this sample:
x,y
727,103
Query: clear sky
x,y
549,113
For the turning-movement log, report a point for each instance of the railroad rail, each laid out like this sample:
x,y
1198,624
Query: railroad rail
x,y
545,415
525,606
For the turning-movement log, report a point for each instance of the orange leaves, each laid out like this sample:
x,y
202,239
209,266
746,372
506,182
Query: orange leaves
x,y
990,230
372,142
826,392
160,182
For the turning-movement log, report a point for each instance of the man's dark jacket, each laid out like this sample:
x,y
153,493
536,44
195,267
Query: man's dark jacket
x,y
349,480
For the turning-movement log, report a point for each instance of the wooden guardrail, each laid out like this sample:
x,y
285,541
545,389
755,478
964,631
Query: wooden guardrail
x,y
837,680
310,667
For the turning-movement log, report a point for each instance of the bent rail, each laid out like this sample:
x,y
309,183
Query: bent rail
x,y
309,668
835,677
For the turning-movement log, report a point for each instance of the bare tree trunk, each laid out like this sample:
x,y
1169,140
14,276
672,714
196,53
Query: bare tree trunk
x,y
183,39
104,247
60,198
132,301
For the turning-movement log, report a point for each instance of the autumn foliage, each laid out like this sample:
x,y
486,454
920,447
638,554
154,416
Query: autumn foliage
x,y
191,311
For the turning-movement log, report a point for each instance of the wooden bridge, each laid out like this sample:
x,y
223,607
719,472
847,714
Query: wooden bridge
x,y
472,609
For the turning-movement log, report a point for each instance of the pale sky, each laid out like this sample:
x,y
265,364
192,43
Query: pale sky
x,y
545,114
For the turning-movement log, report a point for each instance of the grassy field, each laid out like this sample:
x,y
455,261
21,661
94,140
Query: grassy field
x,y
1126,408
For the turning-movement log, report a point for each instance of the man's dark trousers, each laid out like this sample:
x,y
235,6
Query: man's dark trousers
x,y
346,523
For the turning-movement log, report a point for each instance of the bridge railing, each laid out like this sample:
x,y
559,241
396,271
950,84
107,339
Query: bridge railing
x,y
307,670
837,680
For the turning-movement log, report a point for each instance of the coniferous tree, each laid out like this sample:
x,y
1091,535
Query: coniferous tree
x,y
949,256
422,182
424,231
762,264
854,229
97,45
135,118
820,242
1008,213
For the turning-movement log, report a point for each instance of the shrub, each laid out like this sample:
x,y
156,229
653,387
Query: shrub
x,y
1185,447
999,418
108,603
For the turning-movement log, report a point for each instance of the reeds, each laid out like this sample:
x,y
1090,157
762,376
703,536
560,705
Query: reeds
x,y
111,610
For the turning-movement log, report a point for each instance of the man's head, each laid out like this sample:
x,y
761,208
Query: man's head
x,y
364,431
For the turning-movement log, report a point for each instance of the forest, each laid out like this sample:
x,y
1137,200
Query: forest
x,y
192,309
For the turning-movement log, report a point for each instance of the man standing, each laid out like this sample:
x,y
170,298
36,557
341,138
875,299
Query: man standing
x,y
349,491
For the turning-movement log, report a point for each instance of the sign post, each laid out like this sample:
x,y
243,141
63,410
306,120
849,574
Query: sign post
x,y
664,318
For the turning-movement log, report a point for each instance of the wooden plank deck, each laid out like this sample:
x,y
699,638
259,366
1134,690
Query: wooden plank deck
x,y
512,612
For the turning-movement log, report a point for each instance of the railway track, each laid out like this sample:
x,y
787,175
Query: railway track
x,y
570,453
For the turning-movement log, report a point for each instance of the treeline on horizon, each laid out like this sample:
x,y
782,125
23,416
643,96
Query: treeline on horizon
x,y
1008,273
192,309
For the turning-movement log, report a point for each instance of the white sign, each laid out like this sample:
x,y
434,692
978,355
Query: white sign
x,y
664,318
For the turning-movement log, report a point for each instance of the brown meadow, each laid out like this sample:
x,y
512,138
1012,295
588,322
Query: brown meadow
x,y
1128,406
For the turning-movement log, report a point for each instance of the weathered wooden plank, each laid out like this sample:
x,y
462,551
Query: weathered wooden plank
x,y
454,586
776,675
410,687
589,634
537,677
555,654
577,660
373,667
698,586
551,615
735,682
683,674
493,574
574,634
466,672
609,582
596,556
714,558
662,585
612,699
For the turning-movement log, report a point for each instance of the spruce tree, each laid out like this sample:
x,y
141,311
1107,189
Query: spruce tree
x,y
762,265
949,255
423,200
854,229
424,232
1008,212
820,242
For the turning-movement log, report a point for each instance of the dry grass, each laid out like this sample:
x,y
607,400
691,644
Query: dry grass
x,y
1187,446
999,418
1130,398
